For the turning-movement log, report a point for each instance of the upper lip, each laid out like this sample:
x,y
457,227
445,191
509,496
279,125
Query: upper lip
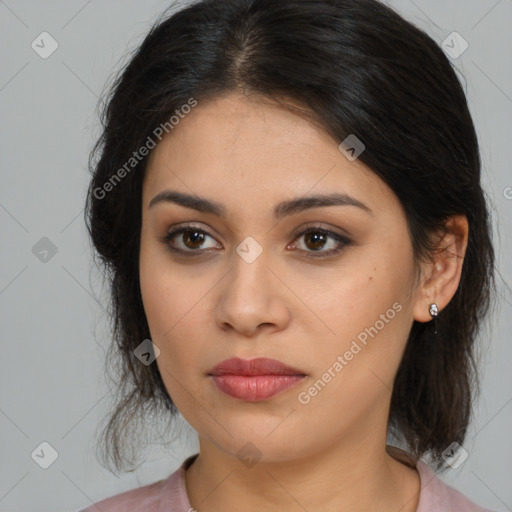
x,y
256,366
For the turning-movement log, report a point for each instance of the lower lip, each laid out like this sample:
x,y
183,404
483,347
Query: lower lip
x,y
255,387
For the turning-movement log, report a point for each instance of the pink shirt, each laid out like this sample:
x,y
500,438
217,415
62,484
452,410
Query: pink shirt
x,y
170,495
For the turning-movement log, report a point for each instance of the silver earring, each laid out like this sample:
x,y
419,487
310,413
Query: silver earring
x,y
433,310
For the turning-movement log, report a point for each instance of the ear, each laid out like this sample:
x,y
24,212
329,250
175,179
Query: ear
x,y
440,278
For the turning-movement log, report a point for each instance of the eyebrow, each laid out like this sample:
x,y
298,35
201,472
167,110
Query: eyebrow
x,y
281,210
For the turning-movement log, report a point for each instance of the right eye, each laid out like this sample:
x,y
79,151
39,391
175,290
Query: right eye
x,y
190,240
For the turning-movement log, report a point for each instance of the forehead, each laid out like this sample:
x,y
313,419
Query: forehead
x,y
238,149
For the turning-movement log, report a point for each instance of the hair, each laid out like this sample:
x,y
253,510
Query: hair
x,y
352,67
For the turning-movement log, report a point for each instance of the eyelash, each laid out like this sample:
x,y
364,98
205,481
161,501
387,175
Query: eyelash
x,y
343,241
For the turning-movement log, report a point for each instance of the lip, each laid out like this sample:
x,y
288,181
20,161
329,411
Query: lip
x,y
256,366
256,379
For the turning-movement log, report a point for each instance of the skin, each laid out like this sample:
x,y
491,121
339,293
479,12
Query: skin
x,y
328,454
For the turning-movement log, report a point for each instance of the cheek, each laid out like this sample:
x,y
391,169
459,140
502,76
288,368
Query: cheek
x,y
365,319
173,301
165,290
349,298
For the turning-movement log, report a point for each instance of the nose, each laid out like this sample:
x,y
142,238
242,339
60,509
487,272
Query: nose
x,y
251,299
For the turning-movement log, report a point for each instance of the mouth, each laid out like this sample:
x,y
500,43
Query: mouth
x,y
254,380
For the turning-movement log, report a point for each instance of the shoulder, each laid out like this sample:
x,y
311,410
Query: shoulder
x,y
437,495
143,499
163,496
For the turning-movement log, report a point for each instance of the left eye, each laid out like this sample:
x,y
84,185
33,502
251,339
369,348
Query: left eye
x,y
315,239
315,242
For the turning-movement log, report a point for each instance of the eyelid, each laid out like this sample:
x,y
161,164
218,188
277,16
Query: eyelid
x,y
180,229
318,225
342,240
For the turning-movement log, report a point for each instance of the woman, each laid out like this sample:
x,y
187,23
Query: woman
x,y
287,201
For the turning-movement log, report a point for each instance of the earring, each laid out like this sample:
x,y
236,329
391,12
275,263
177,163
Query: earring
x,y
433,310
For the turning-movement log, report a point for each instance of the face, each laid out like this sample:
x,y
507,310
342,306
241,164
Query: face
x,y
327,290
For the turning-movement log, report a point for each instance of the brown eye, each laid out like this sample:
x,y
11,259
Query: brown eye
x,y
315,240
193,238
188,240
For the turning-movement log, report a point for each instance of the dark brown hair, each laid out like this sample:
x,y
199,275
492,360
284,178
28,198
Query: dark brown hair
x,y
358,68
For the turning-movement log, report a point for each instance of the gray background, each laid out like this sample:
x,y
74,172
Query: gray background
x,y
55,332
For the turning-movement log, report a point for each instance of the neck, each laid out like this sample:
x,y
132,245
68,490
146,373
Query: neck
x,y
356,475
